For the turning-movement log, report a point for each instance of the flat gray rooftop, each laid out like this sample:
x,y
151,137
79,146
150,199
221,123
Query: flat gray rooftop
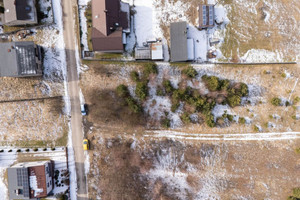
x,y
178,33
17,59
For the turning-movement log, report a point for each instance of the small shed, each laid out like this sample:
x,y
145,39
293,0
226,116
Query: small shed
x,y
157,51
190,49
143,53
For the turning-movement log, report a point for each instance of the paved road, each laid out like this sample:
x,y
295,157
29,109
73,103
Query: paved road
x,y
73,88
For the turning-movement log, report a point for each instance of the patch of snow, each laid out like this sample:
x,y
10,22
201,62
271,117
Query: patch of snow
x,y
33,186
200,43
266,16
221,14
262,56
86,162
226,137
6,160
46,8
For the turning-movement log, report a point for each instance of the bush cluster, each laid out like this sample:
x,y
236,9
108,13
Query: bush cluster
x,y
165,122
160,91
209,120
133,105
185,117
134,75
275,101
227,116
149,68
190,72
122,91
168,86
175,106
212,82
233,100
141,90
296,194
242,120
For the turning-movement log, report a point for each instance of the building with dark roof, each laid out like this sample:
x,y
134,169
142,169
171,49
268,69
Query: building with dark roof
x,y
20,59
111,20
30,180
179,51
19,12
206,16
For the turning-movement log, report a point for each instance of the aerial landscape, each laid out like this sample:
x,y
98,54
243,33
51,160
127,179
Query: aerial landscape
x,y
149,99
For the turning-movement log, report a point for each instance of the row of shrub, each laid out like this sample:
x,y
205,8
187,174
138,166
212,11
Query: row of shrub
x,y
275,101
203,104
27,150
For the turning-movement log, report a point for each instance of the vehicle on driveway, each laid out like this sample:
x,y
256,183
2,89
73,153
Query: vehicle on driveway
x,y
86,144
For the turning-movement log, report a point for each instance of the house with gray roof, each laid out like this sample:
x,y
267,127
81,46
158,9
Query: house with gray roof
x,y
19,12
30,180
179,51
20,59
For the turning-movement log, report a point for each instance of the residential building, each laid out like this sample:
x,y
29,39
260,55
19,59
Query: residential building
x,y
178,31
111,23
19,12
206,16
20,59
30,180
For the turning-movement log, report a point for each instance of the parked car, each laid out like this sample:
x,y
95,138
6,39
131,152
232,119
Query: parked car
x,y
86,144
84,110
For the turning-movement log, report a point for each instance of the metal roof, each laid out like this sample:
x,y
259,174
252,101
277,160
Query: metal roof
x,y
18,184
157,51
18,59
178,33
142,53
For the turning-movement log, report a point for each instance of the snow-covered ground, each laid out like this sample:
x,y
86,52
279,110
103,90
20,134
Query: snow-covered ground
x,y
225,137
46,8
6,159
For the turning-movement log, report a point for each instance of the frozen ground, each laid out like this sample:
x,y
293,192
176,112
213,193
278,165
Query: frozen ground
x,y
262,31
158,168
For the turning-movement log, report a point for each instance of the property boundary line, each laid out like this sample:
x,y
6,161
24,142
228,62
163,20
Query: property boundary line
x,y
33,99
192,63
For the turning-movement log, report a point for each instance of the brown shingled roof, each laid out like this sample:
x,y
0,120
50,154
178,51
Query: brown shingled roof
x,y
39,172
108,22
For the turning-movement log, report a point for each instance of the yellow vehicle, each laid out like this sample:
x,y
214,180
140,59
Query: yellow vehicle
x,y
85,144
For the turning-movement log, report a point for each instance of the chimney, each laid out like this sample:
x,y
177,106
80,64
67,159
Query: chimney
x,y
8,50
